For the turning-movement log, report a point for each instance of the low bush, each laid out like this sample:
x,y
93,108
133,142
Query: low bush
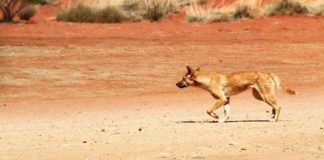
x,y
82,13
109,14
157,9
245,11
152,10
196,13
287,8
28,12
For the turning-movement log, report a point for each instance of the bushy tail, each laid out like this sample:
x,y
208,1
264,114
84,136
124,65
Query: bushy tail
x,y
281,85
287,90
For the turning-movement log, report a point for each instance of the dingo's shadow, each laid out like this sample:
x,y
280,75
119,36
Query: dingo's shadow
x,y
228,121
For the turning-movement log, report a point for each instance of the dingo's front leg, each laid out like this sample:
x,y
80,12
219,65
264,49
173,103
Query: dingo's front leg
x,y
219,103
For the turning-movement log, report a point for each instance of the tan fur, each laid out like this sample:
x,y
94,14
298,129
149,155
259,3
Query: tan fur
x,y
222,86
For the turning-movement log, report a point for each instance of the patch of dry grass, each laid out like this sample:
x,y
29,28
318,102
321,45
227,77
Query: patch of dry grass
x,y
201,11
286,8
83,13
236,11
249,9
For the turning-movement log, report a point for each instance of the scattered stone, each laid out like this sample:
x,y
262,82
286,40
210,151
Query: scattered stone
x,y
320,148
84,142
267,111
321,128
103,130
259,146
243,149
4,105
140,129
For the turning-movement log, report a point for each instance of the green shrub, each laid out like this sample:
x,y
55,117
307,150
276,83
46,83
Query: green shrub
x,y
28,12
82,13
287,8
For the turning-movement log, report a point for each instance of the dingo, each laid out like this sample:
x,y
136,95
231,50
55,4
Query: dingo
x,y
222,86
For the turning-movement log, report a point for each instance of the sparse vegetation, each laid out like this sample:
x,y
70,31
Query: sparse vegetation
x,y
152,10
245,11
10,8
252,9
287,8
195,13
198,14
132,10
28,12
157,9
316,8
82,13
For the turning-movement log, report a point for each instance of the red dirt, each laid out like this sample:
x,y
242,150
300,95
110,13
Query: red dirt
x,y
107,91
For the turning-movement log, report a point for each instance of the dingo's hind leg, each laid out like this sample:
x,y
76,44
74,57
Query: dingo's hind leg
x,y
266,89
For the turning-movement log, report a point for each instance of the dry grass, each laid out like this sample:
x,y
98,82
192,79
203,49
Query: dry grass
x,y
236,11
201,11
316,7
286,8
157,9
152,10
248,9
82,13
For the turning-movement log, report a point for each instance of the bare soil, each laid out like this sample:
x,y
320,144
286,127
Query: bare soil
x,y
107,91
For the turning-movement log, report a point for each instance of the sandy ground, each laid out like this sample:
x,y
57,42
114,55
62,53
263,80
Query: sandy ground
x,y
171,126
94,91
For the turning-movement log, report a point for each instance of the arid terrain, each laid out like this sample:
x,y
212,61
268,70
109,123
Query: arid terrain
x,y
107,91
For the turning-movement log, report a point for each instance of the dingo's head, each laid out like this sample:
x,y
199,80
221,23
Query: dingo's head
x,y
189,78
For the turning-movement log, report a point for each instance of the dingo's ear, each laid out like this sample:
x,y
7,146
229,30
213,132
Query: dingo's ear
x,y
198,69
190,70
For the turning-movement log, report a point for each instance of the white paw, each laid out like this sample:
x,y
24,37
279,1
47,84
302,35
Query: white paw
x,y
272,120
221,120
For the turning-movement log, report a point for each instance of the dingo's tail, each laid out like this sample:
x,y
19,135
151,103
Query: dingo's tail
x,y
281,84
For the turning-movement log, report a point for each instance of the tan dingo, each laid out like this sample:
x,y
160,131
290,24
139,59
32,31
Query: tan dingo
x,y
222,86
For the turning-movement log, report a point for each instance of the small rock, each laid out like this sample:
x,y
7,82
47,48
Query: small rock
x,y
4,105
321,128
140,129
84,142
103,130
243,149
259,146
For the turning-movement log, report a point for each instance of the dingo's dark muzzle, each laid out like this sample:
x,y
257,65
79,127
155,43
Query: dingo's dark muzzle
x,y
182,84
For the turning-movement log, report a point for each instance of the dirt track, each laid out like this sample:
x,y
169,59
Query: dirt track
x,y
90,91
